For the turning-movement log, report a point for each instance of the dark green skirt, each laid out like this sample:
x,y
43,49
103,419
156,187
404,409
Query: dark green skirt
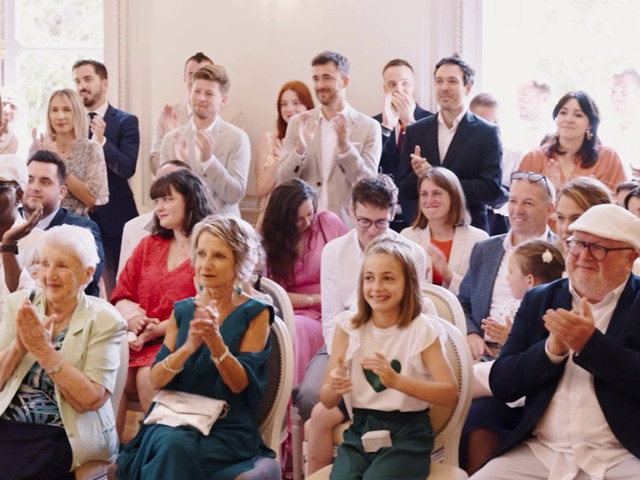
x,y
408,457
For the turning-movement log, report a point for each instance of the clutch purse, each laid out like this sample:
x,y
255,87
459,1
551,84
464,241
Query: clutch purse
x,y
173,408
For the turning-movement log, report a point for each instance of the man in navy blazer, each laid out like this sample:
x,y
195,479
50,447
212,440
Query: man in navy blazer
x,y
46,187
399,111
484,292
117,132
574,352
456,139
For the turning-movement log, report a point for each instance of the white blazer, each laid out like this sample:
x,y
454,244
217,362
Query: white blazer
x,y
464,238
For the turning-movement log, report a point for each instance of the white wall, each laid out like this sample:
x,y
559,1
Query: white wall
x,y
264,43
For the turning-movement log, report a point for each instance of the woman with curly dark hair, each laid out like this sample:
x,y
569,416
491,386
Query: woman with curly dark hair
x,y
293,236
575,149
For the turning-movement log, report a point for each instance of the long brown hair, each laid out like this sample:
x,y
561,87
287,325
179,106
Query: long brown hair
x,y
399,249
448,181
304,95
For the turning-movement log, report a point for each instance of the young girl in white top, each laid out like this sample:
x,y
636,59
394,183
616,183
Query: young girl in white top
x,y
388,357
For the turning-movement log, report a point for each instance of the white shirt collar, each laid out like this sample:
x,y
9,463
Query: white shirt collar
x,y
101,111
209,128
456,121
508,243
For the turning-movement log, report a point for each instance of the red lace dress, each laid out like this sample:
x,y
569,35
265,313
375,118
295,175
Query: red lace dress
x,y
146,281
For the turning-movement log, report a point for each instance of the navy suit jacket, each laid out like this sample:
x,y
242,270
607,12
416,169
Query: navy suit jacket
x,y
474,155
612,358
65,217
390,158
477,285
121,156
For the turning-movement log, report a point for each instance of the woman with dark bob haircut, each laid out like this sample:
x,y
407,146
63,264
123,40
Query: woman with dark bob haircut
x,y
158,274
575,150
293,236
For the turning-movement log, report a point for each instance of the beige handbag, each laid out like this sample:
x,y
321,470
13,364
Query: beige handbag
x,y
173,408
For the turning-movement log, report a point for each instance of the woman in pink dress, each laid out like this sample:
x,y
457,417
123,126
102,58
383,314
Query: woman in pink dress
x,y
293,236
159,273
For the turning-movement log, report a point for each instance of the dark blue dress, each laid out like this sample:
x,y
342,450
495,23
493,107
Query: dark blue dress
x,y
234,443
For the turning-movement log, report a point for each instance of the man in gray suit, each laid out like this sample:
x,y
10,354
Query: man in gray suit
x,y
484,291
333,146
215,149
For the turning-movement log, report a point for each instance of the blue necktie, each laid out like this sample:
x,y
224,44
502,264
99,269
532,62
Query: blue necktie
x,y
91,117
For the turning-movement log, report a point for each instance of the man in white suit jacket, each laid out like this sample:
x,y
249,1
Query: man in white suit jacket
x,y
215,149
173,116
333,146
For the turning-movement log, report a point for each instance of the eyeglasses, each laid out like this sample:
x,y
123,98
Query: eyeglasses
x,y
534,177
597,252
366,223
5,187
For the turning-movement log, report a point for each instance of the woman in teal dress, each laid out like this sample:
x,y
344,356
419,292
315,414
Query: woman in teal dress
x,y
216,345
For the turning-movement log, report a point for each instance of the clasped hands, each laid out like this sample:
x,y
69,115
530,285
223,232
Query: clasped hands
x,y
397,106
204,327
569,330
32,335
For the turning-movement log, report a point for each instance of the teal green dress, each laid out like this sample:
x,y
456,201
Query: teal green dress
x,y
234,443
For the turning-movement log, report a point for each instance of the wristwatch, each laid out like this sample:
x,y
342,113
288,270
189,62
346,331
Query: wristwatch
x,y
11,248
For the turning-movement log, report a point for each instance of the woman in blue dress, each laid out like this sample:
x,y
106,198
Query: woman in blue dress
x,y
216,345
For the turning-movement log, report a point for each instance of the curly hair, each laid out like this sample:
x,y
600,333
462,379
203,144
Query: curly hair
x,y
197,199
280,234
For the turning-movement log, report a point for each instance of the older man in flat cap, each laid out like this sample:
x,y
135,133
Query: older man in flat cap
x,y
574,352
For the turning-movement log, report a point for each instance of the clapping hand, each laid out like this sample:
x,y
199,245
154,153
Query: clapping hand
x,y
180,147
342,128
205,142
306,130
496,330
169,118
339,380
418,162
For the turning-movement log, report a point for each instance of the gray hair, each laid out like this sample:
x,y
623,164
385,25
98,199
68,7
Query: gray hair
x,y
77,240
239,235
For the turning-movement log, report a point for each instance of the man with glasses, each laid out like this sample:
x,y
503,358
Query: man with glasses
x,y
574,352
373,205
484,291
20,240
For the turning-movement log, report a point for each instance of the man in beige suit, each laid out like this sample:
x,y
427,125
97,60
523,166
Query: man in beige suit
x,y
213,148
333,146
172,116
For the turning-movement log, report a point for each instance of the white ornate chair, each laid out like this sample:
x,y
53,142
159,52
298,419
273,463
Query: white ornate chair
x,y
447,422
279,300
275,401
447,305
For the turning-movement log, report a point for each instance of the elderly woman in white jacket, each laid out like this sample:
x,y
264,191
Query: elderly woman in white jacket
x,y
442,228
59,356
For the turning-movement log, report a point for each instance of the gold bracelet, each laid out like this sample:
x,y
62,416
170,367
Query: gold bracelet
x,y
56,368
220,359
167,367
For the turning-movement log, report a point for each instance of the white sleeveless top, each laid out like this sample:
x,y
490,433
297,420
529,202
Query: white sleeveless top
x,y
401,346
